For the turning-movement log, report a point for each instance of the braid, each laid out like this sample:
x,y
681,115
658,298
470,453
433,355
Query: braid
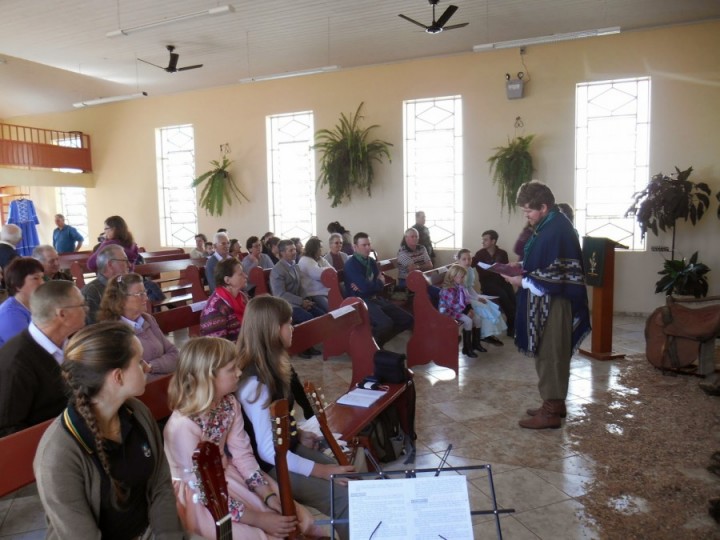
x,y
81,401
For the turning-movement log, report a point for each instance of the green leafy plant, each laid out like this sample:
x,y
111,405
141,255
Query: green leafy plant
x,y
219,187
511,167
683,277
666,199
347,157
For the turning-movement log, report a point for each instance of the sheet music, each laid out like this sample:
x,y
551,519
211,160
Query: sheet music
x,y
360,397
420,508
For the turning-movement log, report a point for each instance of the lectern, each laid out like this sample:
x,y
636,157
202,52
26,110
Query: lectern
x,y
599,259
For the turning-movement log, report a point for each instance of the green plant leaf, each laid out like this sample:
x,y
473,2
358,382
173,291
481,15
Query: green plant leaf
x,y
511,166
219,187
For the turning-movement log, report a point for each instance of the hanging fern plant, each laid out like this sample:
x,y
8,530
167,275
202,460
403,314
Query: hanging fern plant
x,y
219,188
347,157
513,166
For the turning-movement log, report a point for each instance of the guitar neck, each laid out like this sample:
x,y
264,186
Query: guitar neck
x,y
316,402
281,424
223,528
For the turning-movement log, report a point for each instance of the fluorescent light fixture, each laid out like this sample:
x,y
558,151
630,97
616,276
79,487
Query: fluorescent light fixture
x,y
546,39
112,99
218,10
288,74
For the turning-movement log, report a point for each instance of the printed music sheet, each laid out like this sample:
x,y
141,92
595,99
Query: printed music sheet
x,y
421,508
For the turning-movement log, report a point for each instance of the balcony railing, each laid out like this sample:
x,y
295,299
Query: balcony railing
x,y
29,147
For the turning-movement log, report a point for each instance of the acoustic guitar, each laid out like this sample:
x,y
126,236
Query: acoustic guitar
x,y
213,490
316,402
280,413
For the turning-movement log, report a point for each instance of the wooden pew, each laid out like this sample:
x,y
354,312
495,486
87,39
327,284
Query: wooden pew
x,y
17,451
66,259
179,318
332,280
186,285
166,257
79,271
435,336
354,327
260,277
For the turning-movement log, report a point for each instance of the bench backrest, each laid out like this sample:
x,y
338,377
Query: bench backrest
x,y
17,451
78,270
260,277
162,252
178,318
160,267
167,257
66,259
332,279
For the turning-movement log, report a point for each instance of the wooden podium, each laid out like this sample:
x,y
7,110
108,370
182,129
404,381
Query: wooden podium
x,y
599,259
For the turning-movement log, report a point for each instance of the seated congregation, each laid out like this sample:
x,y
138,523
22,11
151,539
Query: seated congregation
x,y
103,459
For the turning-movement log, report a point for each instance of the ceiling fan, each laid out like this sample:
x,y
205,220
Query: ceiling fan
x,y
172,65
438,25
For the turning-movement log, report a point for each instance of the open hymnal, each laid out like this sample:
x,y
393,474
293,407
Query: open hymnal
x,y
360,397
504,269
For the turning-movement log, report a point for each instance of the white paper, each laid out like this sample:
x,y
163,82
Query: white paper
x,y
418,508
487,297
198,306
483,265
360,397
339,312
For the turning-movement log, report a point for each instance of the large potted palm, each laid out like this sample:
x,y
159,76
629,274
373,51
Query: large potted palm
x,y
347,157
658,207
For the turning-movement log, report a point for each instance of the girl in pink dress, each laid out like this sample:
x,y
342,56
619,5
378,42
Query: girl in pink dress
x,y
205,409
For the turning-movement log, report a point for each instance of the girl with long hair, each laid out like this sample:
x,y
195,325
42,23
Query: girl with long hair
x,y
116,232
205,409
455,302
265,335
100,467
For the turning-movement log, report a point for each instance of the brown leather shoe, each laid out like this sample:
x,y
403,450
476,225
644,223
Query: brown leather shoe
x,y
562,413
548,417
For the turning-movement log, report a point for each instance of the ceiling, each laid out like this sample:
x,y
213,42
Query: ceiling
x,y
54,53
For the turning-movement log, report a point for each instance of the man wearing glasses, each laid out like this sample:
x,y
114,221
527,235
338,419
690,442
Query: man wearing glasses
x,y
31,387
111,262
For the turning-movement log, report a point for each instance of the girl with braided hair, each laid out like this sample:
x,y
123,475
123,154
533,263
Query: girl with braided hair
x,y
100,467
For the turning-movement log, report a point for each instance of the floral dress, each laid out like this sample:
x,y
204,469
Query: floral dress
x,y
223,426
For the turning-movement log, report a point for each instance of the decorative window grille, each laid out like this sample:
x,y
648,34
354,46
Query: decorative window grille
x,y
72,201
291,168
175,148
434,167
612,151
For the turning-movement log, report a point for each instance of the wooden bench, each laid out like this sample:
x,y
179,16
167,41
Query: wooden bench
x,y
186,284
435,336
66,259
260,277
179,318
17,451
166,257
353,327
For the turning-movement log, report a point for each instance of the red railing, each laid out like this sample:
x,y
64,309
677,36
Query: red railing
x,y
22,146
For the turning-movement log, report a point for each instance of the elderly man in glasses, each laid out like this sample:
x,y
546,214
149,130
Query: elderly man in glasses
x,y
31,387
111,261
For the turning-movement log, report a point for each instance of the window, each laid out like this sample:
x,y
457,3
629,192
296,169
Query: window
x,y
291,168
612,147
72,201
175,147
434,167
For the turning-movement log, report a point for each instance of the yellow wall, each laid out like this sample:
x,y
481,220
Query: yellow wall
x,y
682,61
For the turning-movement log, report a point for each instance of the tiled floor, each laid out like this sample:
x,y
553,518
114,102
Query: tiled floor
x,y
538,473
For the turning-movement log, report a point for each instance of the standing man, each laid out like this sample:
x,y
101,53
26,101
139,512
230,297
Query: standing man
x,y
424,233
48,257
31,386
492,283
363,279
111,262
552,302
222,252
66,239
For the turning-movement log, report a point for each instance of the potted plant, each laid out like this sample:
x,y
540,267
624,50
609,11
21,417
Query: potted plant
x,y
219,187
668,198
347,157
682,277
511,167
658,207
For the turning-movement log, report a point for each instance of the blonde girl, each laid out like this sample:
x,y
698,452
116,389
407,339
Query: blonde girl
x,y
100,467
493,323
265,335
455,302
205,409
